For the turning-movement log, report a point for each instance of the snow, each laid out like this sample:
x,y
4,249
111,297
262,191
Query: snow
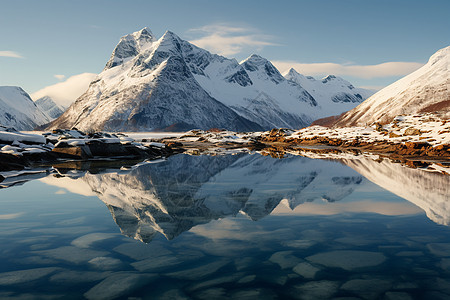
x,y
17,110
141,68
433,131
414,92
21,137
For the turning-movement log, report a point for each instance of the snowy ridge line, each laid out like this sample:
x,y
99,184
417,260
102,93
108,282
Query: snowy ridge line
x,y
152,84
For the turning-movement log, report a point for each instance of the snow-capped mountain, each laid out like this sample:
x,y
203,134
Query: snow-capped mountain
x,y
425,90
49,107
333,93
17,110
169,83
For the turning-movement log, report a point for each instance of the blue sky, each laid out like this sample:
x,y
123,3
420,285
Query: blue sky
x,y
43,39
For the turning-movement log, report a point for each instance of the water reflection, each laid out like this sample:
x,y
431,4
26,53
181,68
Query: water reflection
x,y
175,195
429,191
59,245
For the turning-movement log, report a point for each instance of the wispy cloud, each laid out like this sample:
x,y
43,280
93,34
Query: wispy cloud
x,y
362,71
59,76
10,54
229,40
64,93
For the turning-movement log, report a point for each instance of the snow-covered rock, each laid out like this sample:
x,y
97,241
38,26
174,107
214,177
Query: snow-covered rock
x,y
49,107
425,90
152,84
17,110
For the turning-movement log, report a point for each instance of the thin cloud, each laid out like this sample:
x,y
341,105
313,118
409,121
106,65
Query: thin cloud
x,y
229,40
387,69
66,92
59,76
10,54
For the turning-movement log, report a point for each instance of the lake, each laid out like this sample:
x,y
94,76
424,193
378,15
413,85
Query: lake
x,y
240,226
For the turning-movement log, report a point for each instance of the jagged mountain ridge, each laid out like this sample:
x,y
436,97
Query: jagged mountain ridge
x,y
425,90
155,84
18,111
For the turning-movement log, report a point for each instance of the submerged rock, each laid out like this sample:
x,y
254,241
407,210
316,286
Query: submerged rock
x,y
439,249
315,290
118,285
23,276
347,259
72,254
284,259
199,272
306,270
367,288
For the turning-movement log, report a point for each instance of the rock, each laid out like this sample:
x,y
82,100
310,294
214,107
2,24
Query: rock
x,y
80,152
412,131
87,240
306,270
76,277
254,294
439,249
140,251
156,264
367,288
316,290
106,263
215,282
347,259
72,254
284,259
24,276
199,272
118,285
299,244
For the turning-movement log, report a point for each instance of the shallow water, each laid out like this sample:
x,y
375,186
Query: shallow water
x,y
240,226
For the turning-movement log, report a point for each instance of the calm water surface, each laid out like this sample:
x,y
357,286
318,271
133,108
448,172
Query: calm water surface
x,y
238,226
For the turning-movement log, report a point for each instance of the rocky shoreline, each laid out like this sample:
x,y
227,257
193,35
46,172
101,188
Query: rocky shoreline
x,y
420,141
19,151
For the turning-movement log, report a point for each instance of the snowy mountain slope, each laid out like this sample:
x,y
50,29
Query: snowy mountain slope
x,y
147,85
429,191
49,107
155,84
334,94
17,110
425,90
256,90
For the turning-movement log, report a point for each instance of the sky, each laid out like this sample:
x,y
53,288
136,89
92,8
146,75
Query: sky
x,y
370,43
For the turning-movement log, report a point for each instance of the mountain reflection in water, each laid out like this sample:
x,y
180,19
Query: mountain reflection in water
x,y
175,195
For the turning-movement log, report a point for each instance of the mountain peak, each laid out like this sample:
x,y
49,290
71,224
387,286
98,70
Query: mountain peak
x,y
292,71
258,63
129,46
440,55
328,78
